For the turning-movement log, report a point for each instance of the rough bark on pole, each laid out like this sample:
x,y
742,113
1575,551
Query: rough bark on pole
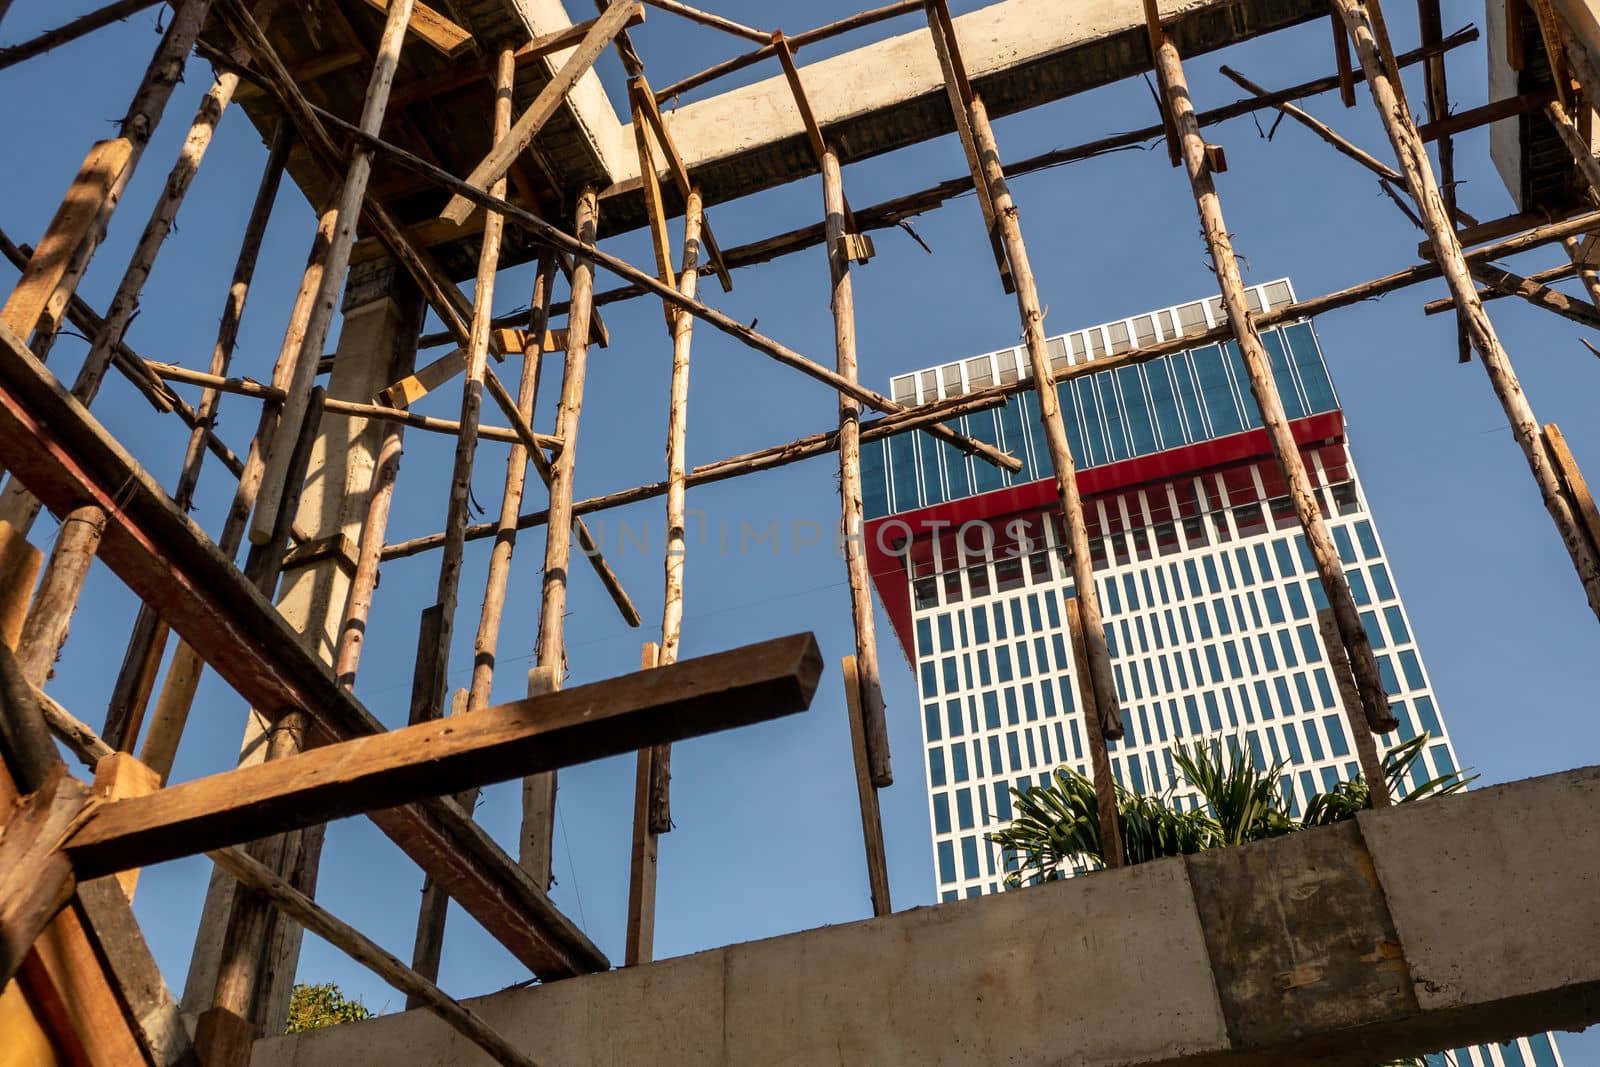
x,y
640,935
1350,701
309,345
177,692
866,794
486,645
1374,701
69,31
868,679
137,126
1576,247
17,505
677,543
551,649
1414,163
1105,786
131,694
429,943
1066,475
353,627
45,632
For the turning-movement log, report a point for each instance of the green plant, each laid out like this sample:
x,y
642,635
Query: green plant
x,y
314,1006
1055,831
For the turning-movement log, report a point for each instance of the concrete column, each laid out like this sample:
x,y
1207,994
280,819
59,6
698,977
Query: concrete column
x,y
377,344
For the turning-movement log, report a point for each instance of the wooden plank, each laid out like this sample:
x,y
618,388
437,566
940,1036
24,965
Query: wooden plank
x,y
116,777
414,387
1483,115
109,922
1534,293
1572,478
73,224
505,152
63,456
571,726
430,26
515,340
867,795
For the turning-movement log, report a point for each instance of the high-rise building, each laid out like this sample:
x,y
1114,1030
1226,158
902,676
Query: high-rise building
x,y
1208,592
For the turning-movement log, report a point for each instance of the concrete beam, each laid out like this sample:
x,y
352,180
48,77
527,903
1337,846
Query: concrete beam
x,y
890,94
1448,923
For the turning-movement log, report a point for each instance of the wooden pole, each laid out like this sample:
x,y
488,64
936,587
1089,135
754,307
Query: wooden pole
x,y
538,811
17,505
1066,475
1105,786
867,676
1589,167
1375,702
639,944
1350,702
429,943
183,674
302,909
866,794
310,343
817,444
70,31
77,541
144,114
1414,163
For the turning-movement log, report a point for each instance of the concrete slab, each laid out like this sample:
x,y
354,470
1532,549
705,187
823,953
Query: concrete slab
x,y
1442,924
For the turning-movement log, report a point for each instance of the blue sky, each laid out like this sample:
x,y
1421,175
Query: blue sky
x,y
767,836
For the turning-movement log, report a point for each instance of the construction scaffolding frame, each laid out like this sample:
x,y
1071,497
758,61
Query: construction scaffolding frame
x,y
285,629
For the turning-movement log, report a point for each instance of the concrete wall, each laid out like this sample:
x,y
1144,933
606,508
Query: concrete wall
x,y
1452,922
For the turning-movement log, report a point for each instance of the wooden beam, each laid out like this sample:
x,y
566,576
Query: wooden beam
x,y
1483,115
808,118
551,96
655,209
1504,281
65,457
561,729
429,25
640,936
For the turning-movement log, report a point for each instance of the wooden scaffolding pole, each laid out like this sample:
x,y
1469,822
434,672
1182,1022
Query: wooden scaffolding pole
x,y
70,31
1414,163
310,338
866,795
652,796
1068,497
17,505
429,944
539,791
178,689
1105,786
842,301
263,882
1198,165
45,632
137,127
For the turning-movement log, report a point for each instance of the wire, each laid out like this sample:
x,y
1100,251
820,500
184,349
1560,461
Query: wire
x,y
567,841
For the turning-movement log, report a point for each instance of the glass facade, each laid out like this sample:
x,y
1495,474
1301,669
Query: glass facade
x,y
1207,589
